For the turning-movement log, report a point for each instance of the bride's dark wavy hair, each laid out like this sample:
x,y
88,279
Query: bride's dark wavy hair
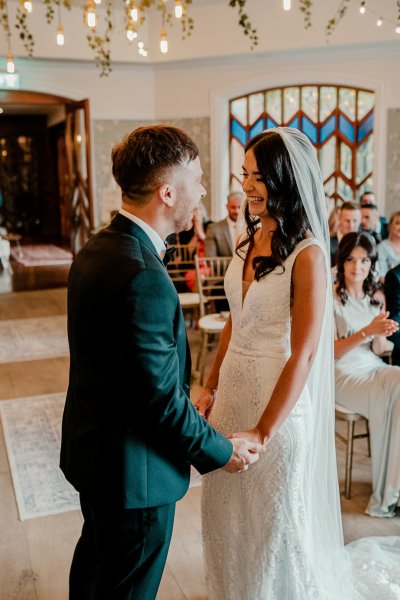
x,y
284,203
347,244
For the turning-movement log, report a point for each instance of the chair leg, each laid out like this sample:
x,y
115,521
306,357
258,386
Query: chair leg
x,y
349,459
368,438
204,349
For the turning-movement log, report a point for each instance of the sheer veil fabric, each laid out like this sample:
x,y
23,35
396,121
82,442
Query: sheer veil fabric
x,y
345,573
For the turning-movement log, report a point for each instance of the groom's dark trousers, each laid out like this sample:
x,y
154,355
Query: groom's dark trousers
x,y
129,431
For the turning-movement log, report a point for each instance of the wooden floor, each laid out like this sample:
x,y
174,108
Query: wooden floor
x,y
35,555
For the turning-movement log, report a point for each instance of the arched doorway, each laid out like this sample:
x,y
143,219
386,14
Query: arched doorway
x,y
46,192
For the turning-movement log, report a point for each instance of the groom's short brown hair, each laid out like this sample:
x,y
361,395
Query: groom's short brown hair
x,y
145,154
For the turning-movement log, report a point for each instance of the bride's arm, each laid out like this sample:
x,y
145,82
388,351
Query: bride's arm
x,y
309,292
205,401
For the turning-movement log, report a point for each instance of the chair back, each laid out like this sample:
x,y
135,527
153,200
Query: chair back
x,y
210,272
182,261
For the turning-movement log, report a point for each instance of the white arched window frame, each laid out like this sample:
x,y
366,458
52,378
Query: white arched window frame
x,y
220,125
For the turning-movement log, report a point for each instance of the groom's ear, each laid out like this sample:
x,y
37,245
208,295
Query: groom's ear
x,y
167,194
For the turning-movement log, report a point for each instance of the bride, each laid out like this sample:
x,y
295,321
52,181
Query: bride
x,y
274,532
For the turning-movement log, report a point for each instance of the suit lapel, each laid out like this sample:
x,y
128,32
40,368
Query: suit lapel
x,y
125,225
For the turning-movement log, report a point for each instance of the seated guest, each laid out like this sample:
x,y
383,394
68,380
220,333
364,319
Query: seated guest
x,y
196,242
221,237
392,293
389,250
370,221
368,197
349,220
364,383
333,221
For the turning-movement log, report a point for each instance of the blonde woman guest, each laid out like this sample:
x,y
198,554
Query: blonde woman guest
x,y
389,250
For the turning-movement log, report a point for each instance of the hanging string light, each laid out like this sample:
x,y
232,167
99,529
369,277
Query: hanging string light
x,y
178,9
131,32
28,6
134,11
90,14
10,63
60,31
380,20
163,41
287,5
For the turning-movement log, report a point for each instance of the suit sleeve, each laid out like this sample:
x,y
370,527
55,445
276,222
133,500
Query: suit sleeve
x,y
150,306
392,293
210,244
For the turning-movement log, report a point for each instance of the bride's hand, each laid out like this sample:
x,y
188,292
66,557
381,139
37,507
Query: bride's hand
x,y
204,402
251,435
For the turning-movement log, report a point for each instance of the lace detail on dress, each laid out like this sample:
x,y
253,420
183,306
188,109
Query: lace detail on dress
x,y
254,524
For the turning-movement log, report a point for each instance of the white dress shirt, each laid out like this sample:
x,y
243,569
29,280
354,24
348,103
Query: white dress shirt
x,y
153,235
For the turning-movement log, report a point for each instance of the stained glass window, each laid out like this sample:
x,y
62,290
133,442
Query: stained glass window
x,y
338,120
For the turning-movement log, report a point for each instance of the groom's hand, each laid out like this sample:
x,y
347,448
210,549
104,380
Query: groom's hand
x,y
244,454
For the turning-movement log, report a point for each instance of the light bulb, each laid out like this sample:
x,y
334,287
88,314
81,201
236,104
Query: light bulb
x,y
379,22
140,45
397,30
78,138
163,41
60,35
131,34
362,8
90,14
97,1
1,110
287,5
178,9
134,12
144,53
10,63
28,6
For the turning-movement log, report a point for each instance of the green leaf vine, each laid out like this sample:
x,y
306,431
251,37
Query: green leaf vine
x,y
333,23
305,7
101,44
25,35
244,22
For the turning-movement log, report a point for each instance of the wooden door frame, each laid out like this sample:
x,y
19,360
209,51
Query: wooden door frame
x,y
26,97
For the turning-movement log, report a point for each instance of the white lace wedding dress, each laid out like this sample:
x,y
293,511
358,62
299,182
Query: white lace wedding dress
x,y
255,528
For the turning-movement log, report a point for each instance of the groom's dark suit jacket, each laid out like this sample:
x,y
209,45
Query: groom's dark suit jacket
x,y
392,293
129,429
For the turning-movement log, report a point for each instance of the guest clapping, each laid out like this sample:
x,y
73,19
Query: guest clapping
x,y
364,383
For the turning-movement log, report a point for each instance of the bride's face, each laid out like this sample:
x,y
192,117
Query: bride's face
x,y
253,187
357,266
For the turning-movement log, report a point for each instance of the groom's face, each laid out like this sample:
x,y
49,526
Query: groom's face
x,y
188,193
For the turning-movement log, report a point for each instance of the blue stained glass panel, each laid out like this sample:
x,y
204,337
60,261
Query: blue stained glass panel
x,y
294,123
327,129
310,130
365,128
257,128
271,124
346,128
239,132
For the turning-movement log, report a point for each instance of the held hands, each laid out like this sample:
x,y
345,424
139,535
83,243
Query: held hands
x,y
381,325
205,402
244,453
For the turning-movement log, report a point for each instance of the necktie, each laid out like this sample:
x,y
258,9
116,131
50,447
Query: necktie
x,y
169,253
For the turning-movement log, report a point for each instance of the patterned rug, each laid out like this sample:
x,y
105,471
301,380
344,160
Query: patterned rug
x,y
32,431
33,339
41,255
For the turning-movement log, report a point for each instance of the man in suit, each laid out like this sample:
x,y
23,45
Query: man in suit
x,y
220,237
129,430
392,293
381,227
370,221
349,220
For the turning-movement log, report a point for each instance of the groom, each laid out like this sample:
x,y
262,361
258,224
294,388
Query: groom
x,y
130,432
